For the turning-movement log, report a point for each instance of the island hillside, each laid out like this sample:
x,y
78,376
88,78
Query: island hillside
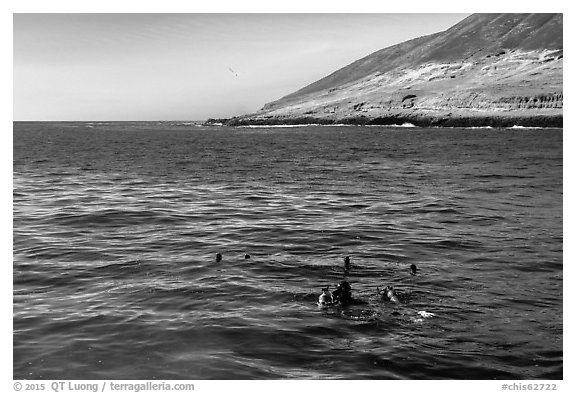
x,y
488,70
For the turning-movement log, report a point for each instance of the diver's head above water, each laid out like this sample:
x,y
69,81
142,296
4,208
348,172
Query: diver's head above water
x,y
343,292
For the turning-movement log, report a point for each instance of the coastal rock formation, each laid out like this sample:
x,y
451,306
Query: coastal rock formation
x,y
489,69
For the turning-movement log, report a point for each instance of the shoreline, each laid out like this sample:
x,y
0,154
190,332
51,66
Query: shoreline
x,y
406,125
403,120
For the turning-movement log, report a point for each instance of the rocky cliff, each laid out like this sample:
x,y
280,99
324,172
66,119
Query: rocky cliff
x,y
489,69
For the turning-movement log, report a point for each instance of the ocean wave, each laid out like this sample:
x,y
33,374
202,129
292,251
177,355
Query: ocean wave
x,y
516,127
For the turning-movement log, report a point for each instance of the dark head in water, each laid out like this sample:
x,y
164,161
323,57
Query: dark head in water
x,y
218,257
347,262
247,256
343,293
413,269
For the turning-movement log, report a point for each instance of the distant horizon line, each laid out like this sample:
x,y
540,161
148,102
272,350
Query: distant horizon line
x,y
103,121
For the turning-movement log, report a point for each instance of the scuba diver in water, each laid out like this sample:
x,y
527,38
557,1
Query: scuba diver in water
x,y
347,263
388,293
343,293
325,298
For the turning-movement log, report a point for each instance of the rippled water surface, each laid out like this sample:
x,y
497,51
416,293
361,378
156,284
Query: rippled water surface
x,y
116,227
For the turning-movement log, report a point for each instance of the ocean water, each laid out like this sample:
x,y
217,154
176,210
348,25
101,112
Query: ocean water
x,y
116,227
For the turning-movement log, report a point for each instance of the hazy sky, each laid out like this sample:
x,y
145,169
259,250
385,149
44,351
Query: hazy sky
x,y
188,66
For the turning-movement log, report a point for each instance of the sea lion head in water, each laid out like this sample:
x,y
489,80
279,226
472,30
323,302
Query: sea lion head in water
x,y
218,257
247,256
413,269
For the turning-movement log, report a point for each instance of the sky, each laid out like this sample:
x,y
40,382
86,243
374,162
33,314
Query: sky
x,y
187,66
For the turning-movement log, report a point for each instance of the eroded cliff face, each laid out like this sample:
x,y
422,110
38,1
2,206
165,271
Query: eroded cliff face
x,y
545,101
511,83
426,80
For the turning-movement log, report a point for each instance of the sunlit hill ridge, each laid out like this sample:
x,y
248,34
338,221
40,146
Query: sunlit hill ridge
x,y
487,70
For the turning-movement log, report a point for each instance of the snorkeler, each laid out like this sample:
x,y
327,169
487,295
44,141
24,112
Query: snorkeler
x,y
343,293
388,293
325,298
347,262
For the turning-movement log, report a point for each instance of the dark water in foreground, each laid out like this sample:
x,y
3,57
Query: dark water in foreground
x,y
116,226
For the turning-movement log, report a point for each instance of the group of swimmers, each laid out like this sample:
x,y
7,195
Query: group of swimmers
x,y
343,293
